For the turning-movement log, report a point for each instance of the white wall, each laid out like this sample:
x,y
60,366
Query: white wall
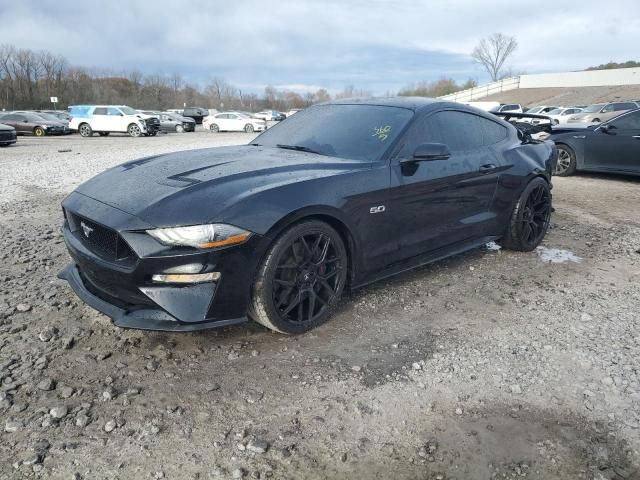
x,y
595,78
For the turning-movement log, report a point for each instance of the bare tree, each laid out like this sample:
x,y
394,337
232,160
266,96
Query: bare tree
x,y
492,53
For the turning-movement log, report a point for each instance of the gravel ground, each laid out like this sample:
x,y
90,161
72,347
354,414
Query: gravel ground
x,y
491,364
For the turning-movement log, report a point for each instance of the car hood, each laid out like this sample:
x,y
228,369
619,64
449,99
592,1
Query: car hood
x,y
199,186
6,127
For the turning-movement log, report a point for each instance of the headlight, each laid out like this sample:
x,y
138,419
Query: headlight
x,y
201,236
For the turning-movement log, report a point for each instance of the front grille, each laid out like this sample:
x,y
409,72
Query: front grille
x,y
101,240
153,124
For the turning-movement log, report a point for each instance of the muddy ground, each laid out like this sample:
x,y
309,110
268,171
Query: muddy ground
x,y
491,364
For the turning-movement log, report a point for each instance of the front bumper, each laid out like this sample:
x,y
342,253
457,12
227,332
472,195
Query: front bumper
x,y
141,318
121,286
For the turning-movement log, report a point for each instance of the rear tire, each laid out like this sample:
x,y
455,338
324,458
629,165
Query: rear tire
x,y
39,132
214,128
300,279
566,164
530,218
85,130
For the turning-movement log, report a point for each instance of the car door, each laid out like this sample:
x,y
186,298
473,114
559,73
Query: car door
x,y
615,145
16,121
99,120
235,123
444,202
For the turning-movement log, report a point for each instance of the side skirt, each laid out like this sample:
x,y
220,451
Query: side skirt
x,y
425,259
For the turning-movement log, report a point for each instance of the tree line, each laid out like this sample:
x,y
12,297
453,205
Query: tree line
x,y
29,78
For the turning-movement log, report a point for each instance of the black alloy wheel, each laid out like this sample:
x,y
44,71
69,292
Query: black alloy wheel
x,y
301,278
530,219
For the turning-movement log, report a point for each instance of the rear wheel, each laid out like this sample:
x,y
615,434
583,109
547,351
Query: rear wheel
x,y
214,128
134,130
300,279
566,164
85,130
530,217
39,132
248,128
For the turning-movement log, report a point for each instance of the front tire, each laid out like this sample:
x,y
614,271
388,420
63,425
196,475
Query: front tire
x,y
530,218
179,129
300,279
134,130
566,164
248,128
39,132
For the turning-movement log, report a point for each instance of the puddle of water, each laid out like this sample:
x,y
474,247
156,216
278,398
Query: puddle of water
x,y
556,255
492,246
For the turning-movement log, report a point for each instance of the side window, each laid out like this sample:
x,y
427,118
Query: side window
x,y
424,130
492,132
233,117
113,111
100,111
220,115
630,121
11,116
608,108
626,106
460,131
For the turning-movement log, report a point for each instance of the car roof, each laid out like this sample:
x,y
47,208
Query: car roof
x,y
412,103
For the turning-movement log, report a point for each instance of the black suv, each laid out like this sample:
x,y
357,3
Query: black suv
x,y
196,113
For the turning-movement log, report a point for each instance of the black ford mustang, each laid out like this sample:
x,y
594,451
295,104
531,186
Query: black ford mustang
x,y
338,195
613,146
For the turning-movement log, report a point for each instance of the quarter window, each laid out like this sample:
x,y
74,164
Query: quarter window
x,y
630,121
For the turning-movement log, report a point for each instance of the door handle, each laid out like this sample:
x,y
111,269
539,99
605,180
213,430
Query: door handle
x,y
487,167
637,137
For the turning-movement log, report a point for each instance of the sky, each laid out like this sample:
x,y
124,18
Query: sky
x,y
303,45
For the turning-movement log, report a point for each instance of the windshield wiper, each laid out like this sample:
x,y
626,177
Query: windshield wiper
x,y
255,144
299,148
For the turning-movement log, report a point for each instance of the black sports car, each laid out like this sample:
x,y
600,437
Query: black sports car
x,y
339,195
613,146
7,135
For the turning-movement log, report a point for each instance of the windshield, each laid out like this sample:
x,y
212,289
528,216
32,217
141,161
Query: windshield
x,y
593,108
556,111
360,132
128,110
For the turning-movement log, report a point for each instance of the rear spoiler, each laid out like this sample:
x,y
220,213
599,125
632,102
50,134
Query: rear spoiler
x,y
516,119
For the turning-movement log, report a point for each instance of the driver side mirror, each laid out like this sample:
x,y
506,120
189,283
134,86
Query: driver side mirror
x,y
427,152
608,129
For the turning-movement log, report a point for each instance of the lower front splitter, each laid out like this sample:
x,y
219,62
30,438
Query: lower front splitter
x,y
142,318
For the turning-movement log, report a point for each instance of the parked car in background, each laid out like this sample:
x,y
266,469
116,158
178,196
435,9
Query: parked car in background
x,y
106,119
7,135
48,116
196,113
340,195
172,122
601,112
508,107
562,114
613,146
270,115
177,123
60,114
541,109
28,123
233,122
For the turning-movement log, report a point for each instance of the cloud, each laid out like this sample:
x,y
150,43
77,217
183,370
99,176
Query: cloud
x,y
375,45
